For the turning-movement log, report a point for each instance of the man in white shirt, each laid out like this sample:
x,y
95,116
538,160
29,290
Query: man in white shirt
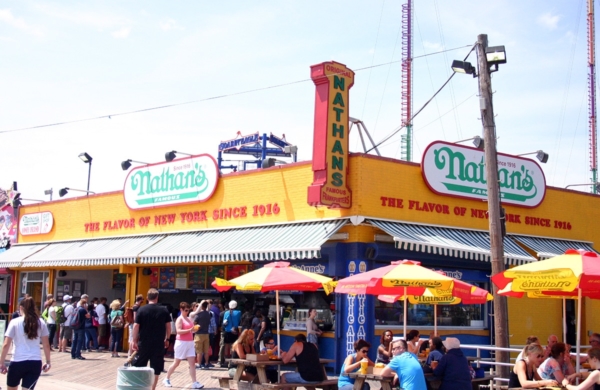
x,y
102,328
66,333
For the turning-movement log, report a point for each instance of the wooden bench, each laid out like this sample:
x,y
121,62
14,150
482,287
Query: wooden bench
x,y
329,384
223,381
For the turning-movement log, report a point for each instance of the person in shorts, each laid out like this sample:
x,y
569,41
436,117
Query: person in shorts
x,y
201,338
151,333
66,333
307,358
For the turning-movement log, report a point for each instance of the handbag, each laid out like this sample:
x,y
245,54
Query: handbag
x,y
95,321
173,327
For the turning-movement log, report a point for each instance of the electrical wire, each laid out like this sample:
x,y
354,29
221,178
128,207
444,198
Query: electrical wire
x,y
110,116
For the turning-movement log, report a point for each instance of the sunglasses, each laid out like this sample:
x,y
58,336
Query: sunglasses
x,y
186,310
270,343
364,350
540,356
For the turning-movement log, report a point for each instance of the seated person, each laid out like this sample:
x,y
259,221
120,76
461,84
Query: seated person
x,y
307,360
240,348
352,364
591,379
558,365
384,351
530,340
414,342
436,351
271,371
524,374
453,367
407,369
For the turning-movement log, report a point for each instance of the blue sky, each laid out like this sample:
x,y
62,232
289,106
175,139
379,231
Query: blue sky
x,y
65,61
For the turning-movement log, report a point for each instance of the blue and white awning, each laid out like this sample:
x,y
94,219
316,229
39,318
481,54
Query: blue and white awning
x,y
273,242
461,243
546,248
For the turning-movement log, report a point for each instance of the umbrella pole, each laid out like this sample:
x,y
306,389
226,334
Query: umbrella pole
x,y
278,336
434,320
578,329
564,320
405,312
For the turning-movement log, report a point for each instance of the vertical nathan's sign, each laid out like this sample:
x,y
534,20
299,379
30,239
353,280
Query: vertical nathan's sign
x,y
330,145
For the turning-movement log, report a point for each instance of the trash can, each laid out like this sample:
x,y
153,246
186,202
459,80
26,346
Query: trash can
x,y
135,378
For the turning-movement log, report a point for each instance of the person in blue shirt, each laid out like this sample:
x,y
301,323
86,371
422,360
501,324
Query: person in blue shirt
x,y
352,364
437,350
406,367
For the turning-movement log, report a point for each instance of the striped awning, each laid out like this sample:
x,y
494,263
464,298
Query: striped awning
x,y
550,247
273,242
97,252
17,252
467,244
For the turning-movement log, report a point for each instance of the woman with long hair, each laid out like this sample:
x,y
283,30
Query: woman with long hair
x,y
239,349
116,331
352,363
591,379
413,340
384,351
524,373
558,365
25,332
184,346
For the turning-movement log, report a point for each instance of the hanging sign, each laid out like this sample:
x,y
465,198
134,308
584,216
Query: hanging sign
x,y
186,180
330,141
36,223
451,169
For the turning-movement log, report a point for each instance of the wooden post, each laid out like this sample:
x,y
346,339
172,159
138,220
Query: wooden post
x,y
493,195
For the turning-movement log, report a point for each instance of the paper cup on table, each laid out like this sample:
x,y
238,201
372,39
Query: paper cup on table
x,y
363,367
434,364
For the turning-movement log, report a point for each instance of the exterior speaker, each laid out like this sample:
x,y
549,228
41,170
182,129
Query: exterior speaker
x,y
62,273
146,271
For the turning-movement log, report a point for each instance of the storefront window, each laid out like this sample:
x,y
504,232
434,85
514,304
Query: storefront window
x,y
423,315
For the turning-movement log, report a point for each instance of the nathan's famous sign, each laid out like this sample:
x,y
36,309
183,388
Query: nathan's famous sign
x,y
330,142
451,169
185,180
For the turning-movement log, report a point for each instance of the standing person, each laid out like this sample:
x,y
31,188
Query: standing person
x,y
90,330
51,322
231,324
407,368
184,346
201,338
116,327
384,351
214,340
524,374
453,367
259,326
25,332
139,299
352,364
312,330
66,333
591,379
102,311
79,330
151,333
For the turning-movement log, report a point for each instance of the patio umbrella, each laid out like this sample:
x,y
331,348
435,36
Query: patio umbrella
x,y
402,278
477,296
575,274
276,277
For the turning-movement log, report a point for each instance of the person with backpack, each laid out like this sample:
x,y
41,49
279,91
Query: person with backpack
x,y
231,324
117,322
76,322
66,333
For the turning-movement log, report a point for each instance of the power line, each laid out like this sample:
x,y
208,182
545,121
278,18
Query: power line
x,y
109,116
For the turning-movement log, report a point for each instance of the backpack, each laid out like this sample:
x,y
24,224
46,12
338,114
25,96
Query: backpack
x,y
73,320
60,317
45,314
117,322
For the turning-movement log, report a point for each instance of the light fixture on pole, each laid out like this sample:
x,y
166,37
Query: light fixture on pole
x,y
596,186
463,67
540,155
477,142
86,158
64,191
486,58
127,163
170,156
49,192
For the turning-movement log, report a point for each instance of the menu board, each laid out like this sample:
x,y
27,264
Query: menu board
x,y
167,277
214,271
233,271
181,277
154,277
118,280
197,277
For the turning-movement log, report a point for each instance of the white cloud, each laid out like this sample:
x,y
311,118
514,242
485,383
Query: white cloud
x,y
7,17
122,33
169,24
548,20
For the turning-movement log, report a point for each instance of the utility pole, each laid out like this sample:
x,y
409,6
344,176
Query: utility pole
x,y
493,195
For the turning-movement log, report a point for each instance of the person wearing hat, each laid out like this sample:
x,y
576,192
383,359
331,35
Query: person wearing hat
x,y
453,367
231,324
66,333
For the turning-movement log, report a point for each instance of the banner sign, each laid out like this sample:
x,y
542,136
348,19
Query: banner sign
x,y
36,223
330,141
186,180
456,170
239,141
